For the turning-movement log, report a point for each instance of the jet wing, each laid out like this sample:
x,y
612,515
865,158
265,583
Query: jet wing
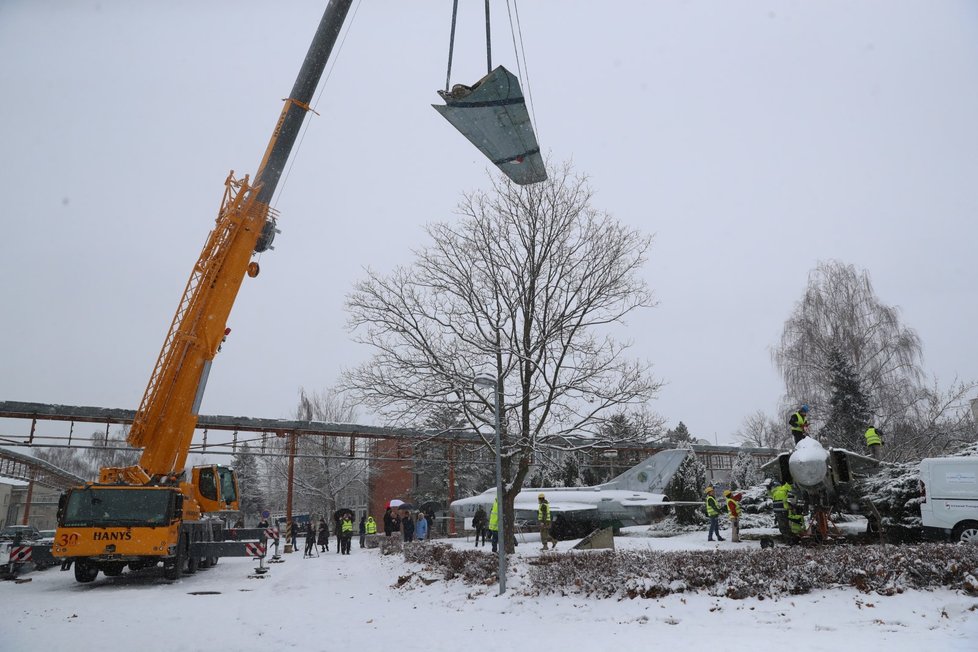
x,y
571,508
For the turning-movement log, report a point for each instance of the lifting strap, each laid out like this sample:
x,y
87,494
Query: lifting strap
x,y
451,44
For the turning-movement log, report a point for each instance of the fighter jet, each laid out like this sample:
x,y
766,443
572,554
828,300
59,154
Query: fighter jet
x,y
825,480
633,498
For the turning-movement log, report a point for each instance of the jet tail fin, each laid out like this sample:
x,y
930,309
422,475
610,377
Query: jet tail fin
x,y
652,475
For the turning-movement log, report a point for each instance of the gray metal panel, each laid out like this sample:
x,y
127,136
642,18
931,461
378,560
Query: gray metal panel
x,y
652,475
492,115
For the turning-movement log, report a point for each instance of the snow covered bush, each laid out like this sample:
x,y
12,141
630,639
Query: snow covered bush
x,y
472,566
757,573
895,491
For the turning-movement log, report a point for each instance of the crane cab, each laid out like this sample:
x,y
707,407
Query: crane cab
x,y
215,488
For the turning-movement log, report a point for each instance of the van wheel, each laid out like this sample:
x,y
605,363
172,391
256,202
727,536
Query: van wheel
x,y
966,532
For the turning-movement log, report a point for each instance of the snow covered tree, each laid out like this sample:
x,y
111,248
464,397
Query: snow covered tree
x,y
840,314
571,472
744,473
250,499
688,483
939,422
849,414
524,288
680,436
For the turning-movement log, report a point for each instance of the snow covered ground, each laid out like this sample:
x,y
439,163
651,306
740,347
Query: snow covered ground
x,y
334,602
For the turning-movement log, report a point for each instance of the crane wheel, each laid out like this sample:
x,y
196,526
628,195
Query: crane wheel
x,y
85,572
253,269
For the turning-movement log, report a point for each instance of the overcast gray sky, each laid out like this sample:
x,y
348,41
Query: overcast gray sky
x,y
752,138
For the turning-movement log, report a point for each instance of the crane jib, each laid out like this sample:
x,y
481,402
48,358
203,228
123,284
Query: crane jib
x,y
280,146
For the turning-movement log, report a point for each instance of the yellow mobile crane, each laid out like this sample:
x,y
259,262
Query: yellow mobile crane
x,y
141,515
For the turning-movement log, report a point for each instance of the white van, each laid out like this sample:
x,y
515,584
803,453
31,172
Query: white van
x,y
950,489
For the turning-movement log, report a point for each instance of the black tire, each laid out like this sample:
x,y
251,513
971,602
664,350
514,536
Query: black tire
x,y
966,532
173,568
85,572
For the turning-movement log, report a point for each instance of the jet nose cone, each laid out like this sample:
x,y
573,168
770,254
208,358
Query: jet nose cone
x,y
809,463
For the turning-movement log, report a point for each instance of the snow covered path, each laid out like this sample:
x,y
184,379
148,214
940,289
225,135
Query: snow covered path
x,y
334,602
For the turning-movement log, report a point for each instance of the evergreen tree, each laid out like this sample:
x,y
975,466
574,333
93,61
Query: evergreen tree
x,y
849,413
680,436
245,465
571,472
688,483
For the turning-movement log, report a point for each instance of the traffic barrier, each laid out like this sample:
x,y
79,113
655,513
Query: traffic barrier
x,y
20,554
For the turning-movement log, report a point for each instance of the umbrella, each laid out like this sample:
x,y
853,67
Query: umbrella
x,y
406,506
394,504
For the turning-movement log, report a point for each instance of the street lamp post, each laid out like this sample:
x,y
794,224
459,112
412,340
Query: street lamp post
x,y
485,380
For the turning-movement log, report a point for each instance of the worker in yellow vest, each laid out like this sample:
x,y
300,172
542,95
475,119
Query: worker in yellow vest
x,y
371,525
346,534
713,513
543,517
494,525
798,422
874,441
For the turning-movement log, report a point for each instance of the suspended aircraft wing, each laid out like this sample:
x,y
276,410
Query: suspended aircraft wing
x,y
492,115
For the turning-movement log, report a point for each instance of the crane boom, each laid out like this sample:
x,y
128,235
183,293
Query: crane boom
x,y
167,416
139,515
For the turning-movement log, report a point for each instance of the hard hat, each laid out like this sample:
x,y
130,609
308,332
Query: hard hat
x,y
804,408
726,492
541,496
709,490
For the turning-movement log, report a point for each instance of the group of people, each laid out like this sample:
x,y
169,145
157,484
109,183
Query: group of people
x,y
412,527
318,535
713,511
798,423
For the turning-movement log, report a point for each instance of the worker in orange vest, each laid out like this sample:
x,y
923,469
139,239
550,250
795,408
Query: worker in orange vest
x,y
733,513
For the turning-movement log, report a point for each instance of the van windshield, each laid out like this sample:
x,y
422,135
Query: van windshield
x,y
117,507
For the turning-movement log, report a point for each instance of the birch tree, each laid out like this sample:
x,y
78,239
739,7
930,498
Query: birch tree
x,y
526,286
840,317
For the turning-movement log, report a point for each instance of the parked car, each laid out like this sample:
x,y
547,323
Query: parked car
x,y
19,532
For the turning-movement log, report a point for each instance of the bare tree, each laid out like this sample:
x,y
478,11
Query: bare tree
x,y
325,473
525,287
840,315
762,431
937,423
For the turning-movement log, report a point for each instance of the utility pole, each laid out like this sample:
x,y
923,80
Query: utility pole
x,y
288,496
